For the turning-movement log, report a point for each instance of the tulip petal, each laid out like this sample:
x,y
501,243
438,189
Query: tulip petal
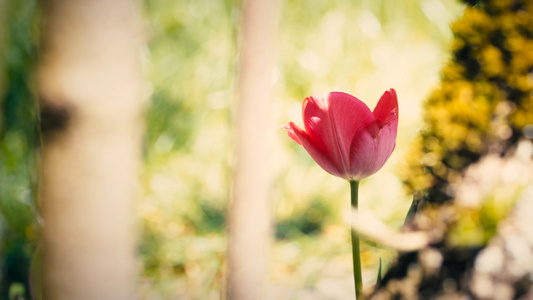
x,y
387,106
334,119
371,148
314,147
290,131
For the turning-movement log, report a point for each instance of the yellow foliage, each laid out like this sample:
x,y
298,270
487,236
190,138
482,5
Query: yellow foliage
x,y
485,97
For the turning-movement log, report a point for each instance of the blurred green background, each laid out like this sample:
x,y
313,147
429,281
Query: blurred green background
x,y
190,59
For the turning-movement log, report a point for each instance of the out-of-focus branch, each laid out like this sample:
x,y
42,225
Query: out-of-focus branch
x,y
371,228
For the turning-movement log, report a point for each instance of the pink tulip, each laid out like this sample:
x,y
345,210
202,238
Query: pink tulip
x,y
344,137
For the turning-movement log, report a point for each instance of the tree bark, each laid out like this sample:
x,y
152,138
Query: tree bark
x,y
2,49
90,99
250,211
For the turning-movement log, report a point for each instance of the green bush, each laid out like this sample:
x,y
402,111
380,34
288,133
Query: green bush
x,y
19,141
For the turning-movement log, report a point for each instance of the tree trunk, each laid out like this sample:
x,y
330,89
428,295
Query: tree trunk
x,y
89,93
2,49
250,211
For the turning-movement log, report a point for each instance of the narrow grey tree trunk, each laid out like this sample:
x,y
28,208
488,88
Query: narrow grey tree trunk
x,y
250,211
2,48
89,90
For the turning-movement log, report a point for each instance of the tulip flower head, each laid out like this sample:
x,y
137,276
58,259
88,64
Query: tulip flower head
x,y
344,137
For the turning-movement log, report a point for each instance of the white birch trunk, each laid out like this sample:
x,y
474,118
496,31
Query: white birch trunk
x,y
89,90
250,211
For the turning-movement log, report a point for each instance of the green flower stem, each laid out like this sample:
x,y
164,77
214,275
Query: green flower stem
x,y
358,280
